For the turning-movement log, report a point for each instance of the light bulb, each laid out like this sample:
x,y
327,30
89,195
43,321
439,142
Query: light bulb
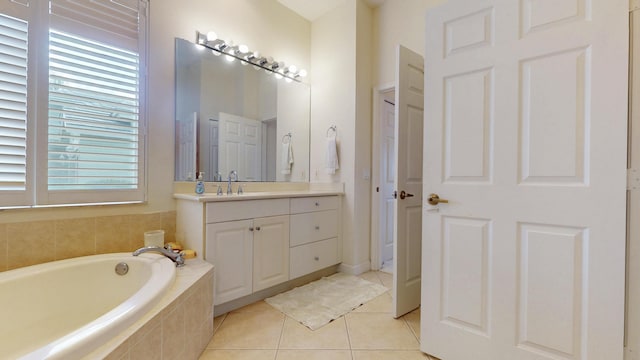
x,y
229,58
243,48
211,36
293,69
303,72
216,53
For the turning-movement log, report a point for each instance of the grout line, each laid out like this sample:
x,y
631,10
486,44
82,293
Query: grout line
x,y
284,319
410,328
379,278
415,335
215,328
346,327
95,236
5,249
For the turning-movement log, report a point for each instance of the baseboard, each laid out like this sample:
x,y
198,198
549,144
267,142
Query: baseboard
x,y
355,269
629,354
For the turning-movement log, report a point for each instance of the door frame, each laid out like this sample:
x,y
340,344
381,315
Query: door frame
x,y
632,310
376,241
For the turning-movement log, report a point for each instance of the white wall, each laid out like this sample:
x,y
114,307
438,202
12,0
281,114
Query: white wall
x,y
341,93
333,61
353,49
294,97
397,22
363,128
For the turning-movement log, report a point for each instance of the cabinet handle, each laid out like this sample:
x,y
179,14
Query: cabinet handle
x,y
317,203
316,258
251,228
258,228
317,227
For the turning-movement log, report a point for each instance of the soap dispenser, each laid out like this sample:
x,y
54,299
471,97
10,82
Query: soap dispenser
x,y
200,184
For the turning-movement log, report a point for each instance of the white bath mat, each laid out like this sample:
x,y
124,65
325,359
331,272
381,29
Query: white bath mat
x,y
318,303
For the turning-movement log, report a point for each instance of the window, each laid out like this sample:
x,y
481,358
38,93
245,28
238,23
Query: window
x,y
72,102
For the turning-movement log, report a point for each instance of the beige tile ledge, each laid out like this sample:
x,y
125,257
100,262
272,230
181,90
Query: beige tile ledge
x,y
252,191
193,281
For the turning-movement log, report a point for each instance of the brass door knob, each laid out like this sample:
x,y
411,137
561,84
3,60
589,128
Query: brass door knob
x,y
404,194
434,199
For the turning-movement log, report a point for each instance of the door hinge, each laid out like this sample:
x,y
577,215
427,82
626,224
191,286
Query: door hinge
x,y
633,179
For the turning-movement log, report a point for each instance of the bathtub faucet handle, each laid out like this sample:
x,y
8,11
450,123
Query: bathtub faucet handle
x,y
179,260
175,257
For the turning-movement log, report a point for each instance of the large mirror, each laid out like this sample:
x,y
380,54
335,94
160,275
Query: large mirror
x,y
231,116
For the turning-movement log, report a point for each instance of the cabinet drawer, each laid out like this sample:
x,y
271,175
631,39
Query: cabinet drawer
x,y
310,227
245,209
317,203
305,259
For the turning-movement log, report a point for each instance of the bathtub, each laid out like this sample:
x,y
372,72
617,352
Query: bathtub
x,y
66,309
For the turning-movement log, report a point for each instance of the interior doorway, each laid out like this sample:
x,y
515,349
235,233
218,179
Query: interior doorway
x,y
397,140
383,176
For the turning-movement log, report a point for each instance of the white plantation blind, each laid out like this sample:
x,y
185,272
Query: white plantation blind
x,y
74,134
13,103
108,21
93,115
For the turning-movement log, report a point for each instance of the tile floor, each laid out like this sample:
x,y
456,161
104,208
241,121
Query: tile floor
x,y
258,331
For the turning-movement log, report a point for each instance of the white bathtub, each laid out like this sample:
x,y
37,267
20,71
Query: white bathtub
x,y
66,309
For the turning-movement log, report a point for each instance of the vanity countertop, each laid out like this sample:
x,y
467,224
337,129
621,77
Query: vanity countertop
x,y
209,197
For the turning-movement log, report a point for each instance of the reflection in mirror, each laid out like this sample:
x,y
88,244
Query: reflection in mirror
x,y
231,116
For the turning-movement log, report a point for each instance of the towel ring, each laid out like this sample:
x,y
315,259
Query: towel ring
x,y
334,128
285,136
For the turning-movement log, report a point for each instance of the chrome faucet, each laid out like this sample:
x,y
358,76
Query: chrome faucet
x,y
235,176
175,257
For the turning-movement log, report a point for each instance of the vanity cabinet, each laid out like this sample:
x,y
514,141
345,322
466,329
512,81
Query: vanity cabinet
x,y
256,244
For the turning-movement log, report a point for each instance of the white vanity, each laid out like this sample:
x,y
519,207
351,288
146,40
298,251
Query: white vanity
x,y
262,239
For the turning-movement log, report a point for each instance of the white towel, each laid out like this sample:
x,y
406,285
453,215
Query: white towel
x,y
287,158
331,160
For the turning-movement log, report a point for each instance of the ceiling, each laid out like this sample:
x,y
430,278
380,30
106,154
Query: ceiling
x,y
313,9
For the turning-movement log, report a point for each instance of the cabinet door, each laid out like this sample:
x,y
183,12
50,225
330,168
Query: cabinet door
x,y
270,251
230,249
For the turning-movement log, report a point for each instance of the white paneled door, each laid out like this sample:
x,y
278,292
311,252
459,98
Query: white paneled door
x,y
240,147
525,136
407,242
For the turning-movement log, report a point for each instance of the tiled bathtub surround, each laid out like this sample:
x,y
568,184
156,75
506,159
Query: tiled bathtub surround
x,y
179,327
36,242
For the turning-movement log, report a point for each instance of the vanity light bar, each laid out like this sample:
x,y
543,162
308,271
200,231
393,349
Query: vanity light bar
x,y
242,53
